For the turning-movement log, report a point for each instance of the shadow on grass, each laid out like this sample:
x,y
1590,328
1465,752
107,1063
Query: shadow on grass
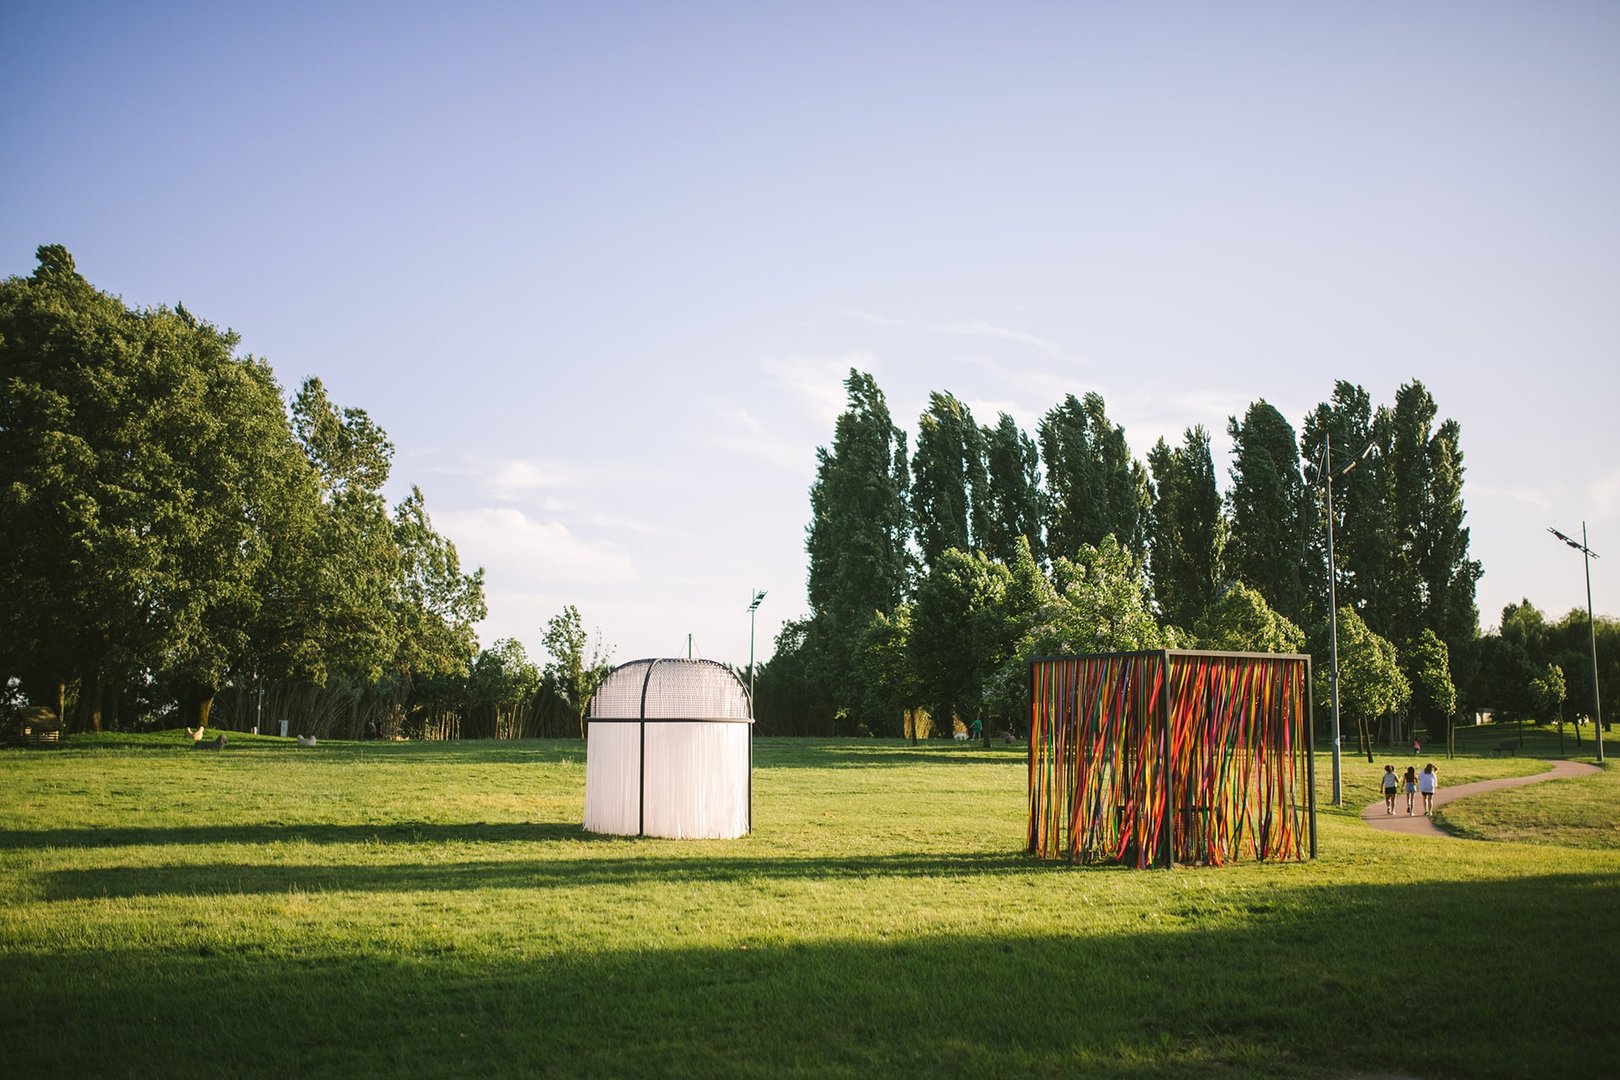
x,y
407,832
243,878
769,752
1472,979
788,753
240,744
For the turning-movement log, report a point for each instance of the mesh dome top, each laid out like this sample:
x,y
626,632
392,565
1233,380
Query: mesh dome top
x,y
671,690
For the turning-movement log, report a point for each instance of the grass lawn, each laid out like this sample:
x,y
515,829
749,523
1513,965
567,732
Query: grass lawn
x,y
379,909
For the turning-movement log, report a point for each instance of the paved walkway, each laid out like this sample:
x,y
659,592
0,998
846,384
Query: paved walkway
x,y
1418,825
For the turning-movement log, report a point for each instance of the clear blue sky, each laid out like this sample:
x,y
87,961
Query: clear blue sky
x,y
598,269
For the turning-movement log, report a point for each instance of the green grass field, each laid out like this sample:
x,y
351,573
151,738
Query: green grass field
x,y
366,909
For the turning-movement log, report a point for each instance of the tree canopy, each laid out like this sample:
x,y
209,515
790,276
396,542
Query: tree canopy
x,y
169,527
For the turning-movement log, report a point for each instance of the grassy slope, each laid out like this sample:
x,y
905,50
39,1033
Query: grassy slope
x,y
372,909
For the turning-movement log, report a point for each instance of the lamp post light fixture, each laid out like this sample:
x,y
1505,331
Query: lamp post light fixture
x,y
1327,472
1587,555
753,609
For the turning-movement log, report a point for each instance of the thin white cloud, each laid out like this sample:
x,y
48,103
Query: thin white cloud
x,y
974,329
513,479
1605,497
516,550
624,523
817,383
1526,496
742,434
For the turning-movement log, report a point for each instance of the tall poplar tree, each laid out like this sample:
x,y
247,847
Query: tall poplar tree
x,y
1434,576
1186,529
1012,507
1267,499
948,497
1362,544
1094,487
857,536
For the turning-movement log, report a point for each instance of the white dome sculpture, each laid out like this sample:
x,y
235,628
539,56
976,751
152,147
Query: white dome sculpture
x,y
670,752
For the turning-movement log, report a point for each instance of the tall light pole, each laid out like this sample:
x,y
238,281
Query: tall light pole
x,y
1587,555
1328,472
753,609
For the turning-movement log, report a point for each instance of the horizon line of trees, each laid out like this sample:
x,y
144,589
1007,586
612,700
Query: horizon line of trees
x,y
936,573
181,541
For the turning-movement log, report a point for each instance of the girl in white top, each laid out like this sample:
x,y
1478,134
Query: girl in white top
x,y
1427,782
1391,782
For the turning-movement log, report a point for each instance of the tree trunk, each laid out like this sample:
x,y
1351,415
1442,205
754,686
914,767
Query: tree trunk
x,y
89,708
196,702
48,692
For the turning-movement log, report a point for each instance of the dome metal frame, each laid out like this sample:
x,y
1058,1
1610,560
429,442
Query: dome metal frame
x,y
641,719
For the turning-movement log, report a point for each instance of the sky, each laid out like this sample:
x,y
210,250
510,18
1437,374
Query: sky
x,y
599,270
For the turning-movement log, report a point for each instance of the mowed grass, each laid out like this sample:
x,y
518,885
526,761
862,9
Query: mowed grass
x,y
365,909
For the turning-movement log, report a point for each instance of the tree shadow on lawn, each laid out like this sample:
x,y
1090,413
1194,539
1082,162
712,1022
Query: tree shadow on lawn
x,y
403,832
1449,978
792,753
241,744
245,878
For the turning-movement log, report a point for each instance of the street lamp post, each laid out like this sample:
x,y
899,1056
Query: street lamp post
x,y
1328,473
753,608
1587,555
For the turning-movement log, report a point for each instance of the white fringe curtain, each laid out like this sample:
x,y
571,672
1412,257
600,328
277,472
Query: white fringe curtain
x,y
670,752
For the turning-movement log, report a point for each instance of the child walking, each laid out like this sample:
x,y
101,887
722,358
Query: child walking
x,y
1409,783
1427,783
1391,782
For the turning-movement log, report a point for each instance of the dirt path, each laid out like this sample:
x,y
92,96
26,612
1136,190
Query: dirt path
x,y
1418,825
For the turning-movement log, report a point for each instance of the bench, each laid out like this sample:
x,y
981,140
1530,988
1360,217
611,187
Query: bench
x,y
1507,746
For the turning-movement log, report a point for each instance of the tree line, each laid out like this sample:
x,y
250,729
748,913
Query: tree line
x,y
180,542
183,542
1540,670
937,572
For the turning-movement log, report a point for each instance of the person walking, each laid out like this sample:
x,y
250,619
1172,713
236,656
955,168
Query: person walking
x,y
1409,784
1391,783
1427,783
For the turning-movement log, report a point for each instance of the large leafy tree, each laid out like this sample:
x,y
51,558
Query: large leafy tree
x,y
577,664
1267,499
887,675
1504,676
1012,507
858,535
948,496
336,608
1186,528
1437,578
1028,621
233,497
436,606
1569,644
1103,602
1427,665
1371,682
790,695
150,485
502,684
1362,541
1241,621
956,640
1095,488
1095,602
75,561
